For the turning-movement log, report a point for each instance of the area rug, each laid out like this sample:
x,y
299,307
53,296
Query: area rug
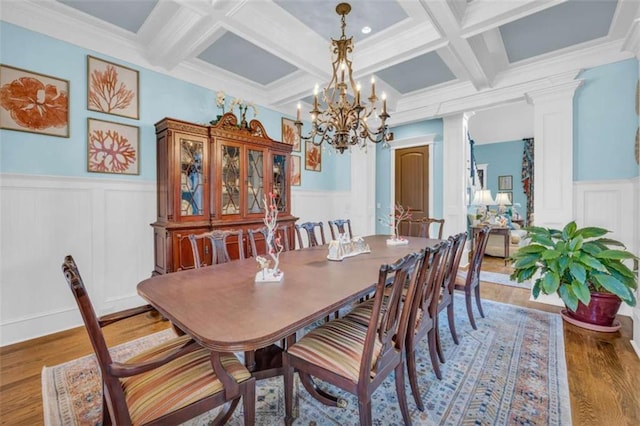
x,y
510,371
496,278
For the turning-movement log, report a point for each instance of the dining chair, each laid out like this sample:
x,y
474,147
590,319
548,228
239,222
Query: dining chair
x,y
167,384
422,227
423,317
310,229
448,286
469,280
355,357
280,232
339,225
218,241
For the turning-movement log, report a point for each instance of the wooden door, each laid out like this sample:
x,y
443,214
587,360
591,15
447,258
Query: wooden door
x,y
412,182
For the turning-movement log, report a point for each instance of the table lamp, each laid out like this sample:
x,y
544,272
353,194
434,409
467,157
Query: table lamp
x,y
502,200
483,198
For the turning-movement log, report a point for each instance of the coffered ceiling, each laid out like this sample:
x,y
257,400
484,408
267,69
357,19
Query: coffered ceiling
x,y
431,57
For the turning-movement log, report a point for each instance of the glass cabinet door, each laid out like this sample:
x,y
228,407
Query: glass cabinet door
x,y
255,181
279,182
230,193
191,177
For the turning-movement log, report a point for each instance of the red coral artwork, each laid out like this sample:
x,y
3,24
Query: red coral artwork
x,y
33,102
313,157
112,148
113,89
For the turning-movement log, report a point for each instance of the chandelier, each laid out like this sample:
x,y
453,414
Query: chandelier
x,y
345,121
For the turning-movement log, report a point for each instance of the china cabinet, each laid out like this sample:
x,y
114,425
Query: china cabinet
x,y
215,177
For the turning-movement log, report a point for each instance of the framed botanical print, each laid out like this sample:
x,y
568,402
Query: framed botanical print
x,y
33,102
112,88
296,174
113,147
290,133
312,157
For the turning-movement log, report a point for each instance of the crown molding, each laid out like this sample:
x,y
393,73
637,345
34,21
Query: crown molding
x,y
632,40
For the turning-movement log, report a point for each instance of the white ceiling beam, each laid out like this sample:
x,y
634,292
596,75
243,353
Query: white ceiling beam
x,y
483,15
626,12
173,32
458,55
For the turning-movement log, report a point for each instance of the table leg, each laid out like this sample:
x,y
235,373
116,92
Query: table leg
x,y
319,394
506,246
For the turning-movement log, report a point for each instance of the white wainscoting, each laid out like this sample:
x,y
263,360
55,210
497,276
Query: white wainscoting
x,y
321,206
612,205
102,223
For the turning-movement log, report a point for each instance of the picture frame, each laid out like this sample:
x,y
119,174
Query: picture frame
x,y
510,195
296,172
101,75
312,157
105,139
290,134
505,183
18,89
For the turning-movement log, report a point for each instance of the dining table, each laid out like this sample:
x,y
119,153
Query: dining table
x,y
223,308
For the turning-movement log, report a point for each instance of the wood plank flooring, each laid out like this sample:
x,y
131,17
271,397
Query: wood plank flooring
x,y
603,369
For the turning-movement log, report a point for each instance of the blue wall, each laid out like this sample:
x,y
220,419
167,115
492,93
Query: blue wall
x,y
160,96
605,122
503,159
383,167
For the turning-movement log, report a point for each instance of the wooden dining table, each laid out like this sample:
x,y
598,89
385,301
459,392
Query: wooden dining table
x,y
225,310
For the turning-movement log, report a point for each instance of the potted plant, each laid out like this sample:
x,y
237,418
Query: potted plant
x,y
581,267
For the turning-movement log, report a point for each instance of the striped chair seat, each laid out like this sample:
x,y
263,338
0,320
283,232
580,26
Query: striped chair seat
x,y
336,346
176,384
362,312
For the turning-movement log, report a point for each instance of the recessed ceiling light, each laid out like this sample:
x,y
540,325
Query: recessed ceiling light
x,y
366,30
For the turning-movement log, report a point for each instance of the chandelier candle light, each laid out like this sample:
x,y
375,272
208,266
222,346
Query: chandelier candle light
x,y
343,122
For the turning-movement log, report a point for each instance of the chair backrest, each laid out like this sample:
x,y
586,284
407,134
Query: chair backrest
x,y
281,232
429,280
453,259
389,315
479,245
217,240
339,225
422,227
113,393
310,227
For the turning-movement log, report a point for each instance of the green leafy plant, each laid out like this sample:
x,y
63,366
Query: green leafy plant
x,y
574,263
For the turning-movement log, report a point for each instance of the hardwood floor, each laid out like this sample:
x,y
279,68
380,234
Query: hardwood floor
x,y
603,369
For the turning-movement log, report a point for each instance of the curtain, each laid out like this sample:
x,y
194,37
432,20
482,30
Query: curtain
x,y
527,177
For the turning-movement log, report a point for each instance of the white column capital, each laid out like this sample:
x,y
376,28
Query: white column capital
x,y
557,92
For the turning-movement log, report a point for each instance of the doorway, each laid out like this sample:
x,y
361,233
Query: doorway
x,y
412,182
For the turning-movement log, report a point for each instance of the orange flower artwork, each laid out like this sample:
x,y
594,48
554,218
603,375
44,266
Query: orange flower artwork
x,y
33,102
112,148
112,88
313,157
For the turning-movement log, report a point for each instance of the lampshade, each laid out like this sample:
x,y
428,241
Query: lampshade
x,y
502,199
483,198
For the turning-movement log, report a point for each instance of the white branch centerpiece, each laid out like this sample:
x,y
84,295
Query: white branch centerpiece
x,y
273,244
393,221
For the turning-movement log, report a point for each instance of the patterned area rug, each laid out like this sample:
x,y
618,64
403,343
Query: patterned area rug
x,y
511,371
496,278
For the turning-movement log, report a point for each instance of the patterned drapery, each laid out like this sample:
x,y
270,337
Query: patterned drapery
x,y
527,177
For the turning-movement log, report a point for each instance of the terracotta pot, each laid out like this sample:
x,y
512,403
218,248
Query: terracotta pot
x,y
601,310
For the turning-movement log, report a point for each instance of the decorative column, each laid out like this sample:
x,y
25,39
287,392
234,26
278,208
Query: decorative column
x,y
553,164
363,190
553,167
456,153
